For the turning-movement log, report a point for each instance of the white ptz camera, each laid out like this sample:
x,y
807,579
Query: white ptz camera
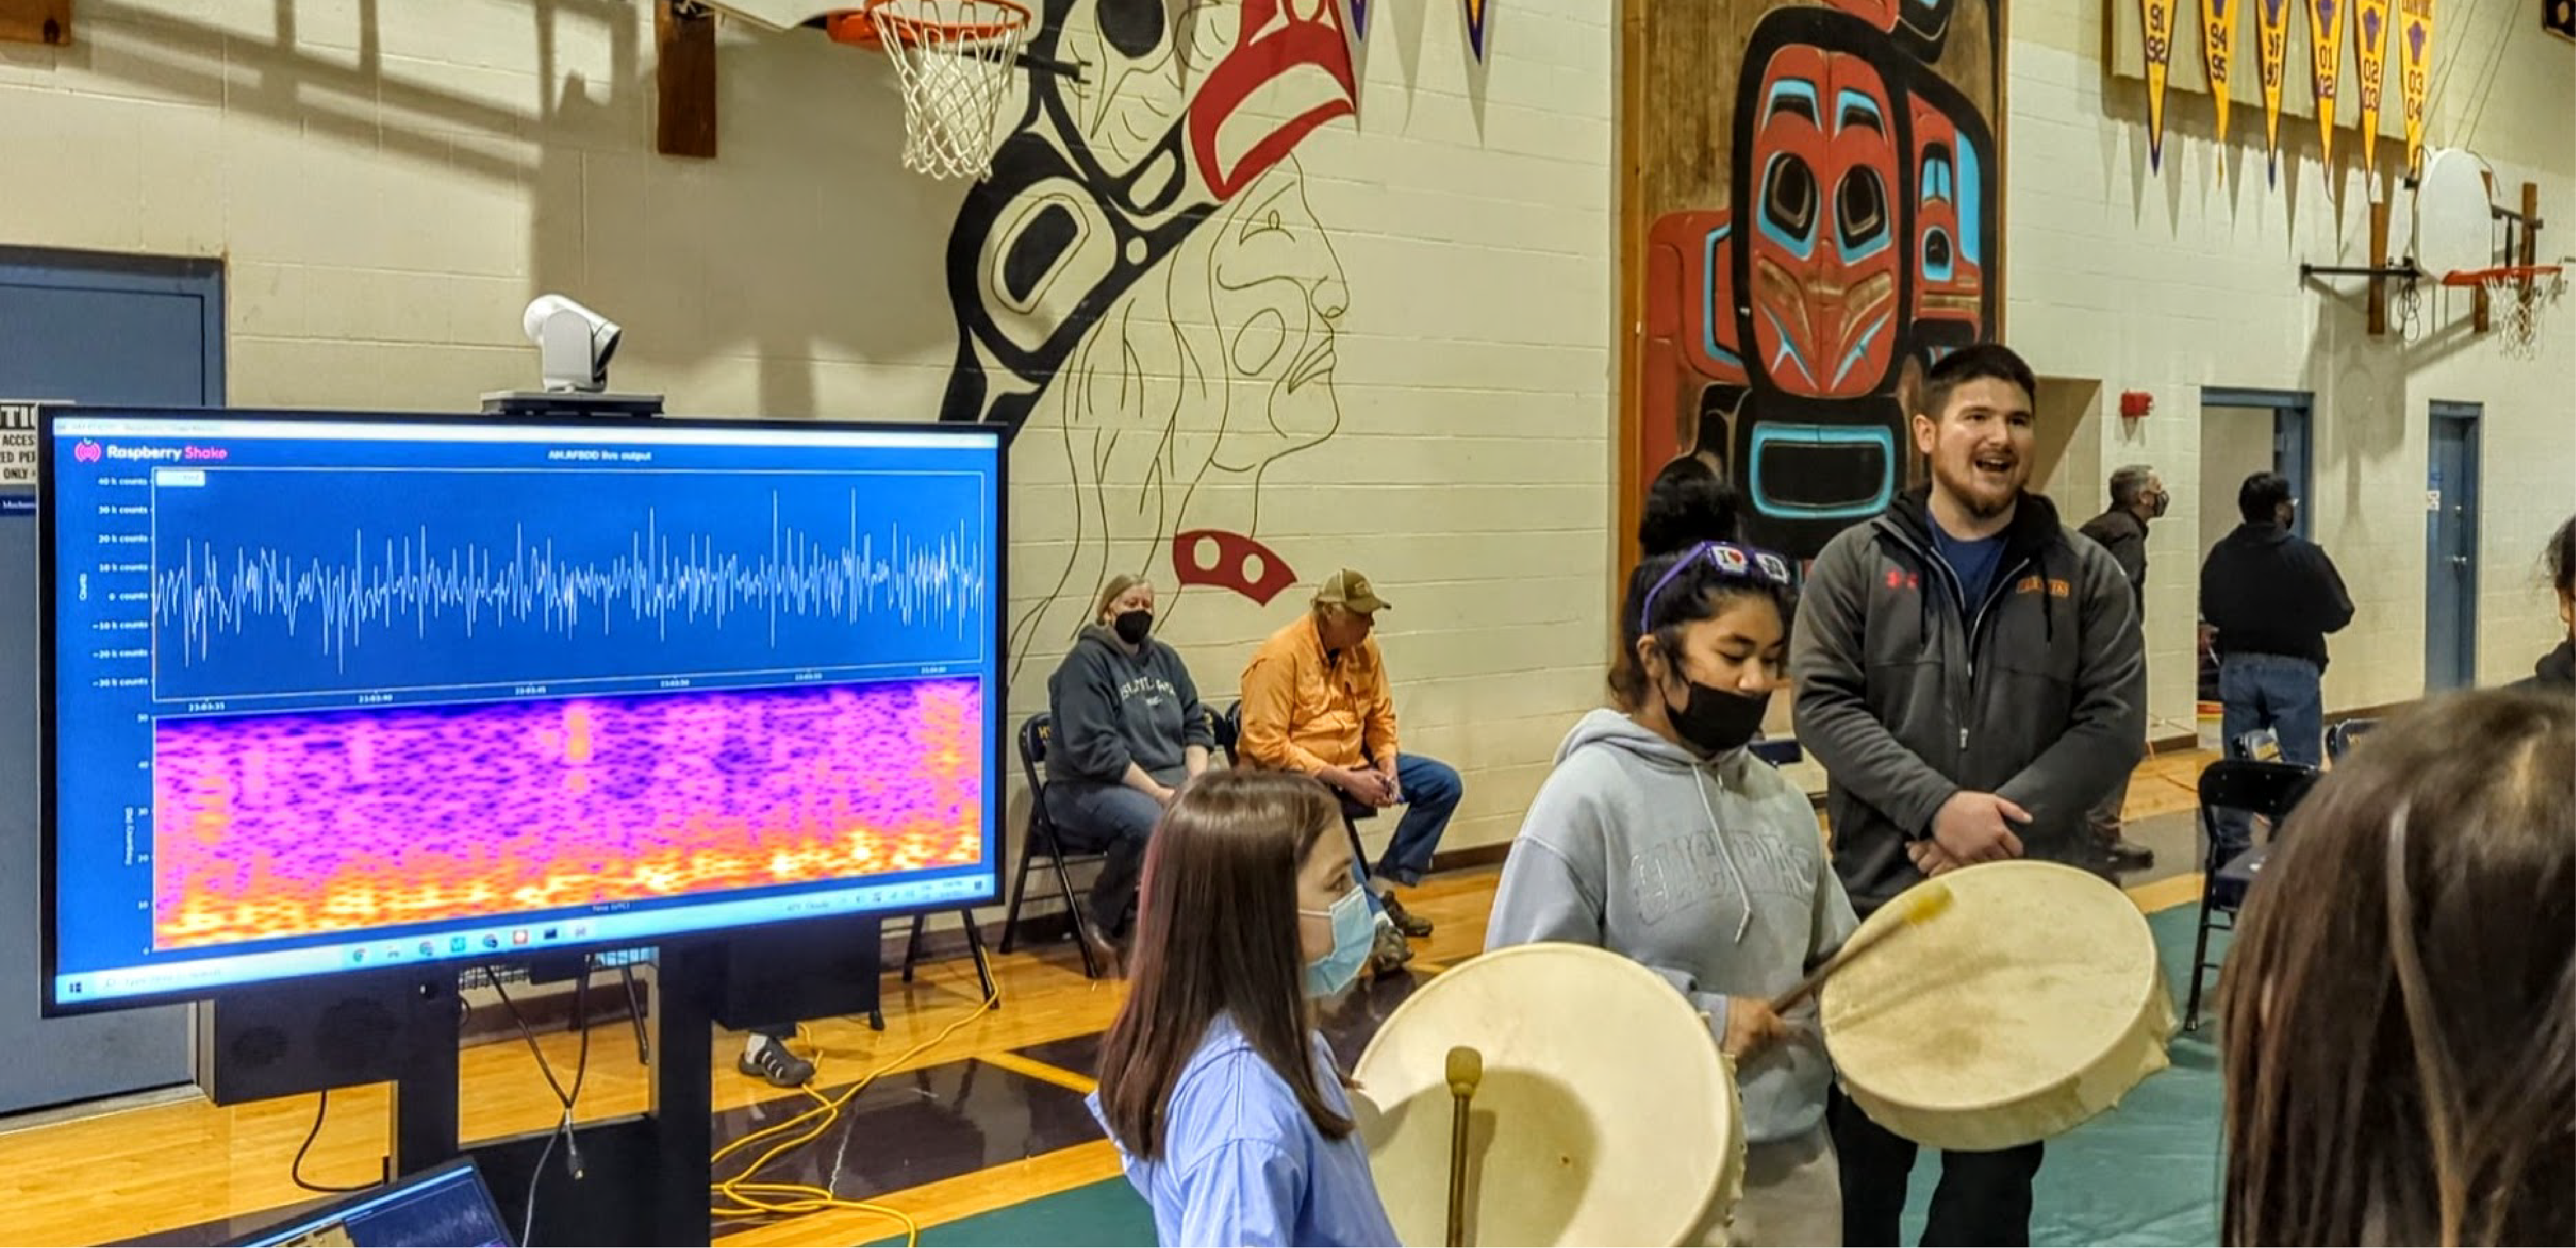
x,y
573,343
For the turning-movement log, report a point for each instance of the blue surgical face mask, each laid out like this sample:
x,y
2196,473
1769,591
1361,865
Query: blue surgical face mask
x,y
1354,933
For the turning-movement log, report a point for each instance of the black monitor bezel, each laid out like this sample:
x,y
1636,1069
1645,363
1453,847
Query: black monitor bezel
x,y
51,1004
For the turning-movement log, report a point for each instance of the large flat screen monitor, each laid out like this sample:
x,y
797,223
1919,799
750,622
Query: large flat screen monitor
x,y
336,692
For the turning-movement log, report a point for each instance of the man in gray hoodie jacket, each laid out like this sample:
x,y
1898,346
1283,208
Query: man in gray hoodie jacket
x,y
1972,678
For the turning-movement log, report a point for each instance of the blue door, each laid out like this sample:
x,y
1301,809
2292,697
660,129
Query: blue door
x,y
2290,448
92,329
2451,550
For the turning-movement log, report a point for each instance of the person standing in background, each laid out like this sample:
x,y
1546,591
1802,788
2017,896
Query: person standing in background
x,y
2273,596
2137,497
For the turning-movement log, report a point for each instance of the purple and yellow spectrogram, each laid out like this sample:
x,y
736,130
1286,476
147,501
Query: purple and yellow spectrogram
x,y
290,825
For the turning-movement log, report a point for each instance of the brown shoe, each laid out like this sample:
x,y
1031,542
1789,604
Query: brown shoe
x,y
1405,921
1390,954
1104,951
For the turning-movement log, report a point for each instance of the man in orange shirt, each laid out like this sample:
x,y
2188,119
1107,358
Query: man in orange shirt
x,y
1315,701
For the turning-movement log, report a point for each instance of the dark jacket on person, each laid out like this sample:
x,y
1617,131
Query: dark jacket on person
x,y
1112,708
2121,532
1909,694
2555,673
2268,590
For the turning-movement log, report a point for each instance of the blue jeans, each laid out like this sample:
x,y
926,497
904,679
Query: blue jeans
x,y
2269,691
1113,819
1431,792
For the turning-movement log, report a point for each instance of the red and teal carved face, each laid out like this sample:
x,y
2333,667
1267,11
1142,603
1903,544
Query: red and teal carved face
x,y
1824,238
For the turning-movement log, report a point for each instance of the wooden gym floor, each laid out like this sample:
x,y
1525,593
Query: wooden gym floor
x,y
989,1117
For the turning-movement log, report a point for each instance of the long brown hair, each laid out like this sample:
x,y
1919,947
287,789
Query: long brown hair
x,y
1109,592
1216,933
2400,1006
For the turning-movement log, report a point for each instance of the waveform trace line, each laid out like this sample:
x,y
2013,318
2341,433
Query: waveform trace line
x,y
209,594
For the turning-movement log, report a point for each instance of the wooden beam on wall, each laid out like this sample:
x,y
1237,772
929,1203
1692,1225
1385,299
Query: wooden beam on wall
x,y
685,120
2377,312
36,21
1625,478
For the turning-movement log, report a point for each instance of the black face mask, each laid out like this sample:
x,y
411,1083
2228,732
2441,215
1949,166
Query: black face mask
x,y
1131,626
2163,500
1717,720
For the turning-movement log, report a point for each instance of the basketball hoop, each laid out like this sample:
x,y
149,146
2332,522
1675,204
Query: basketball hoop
x,y
953,61
2518,294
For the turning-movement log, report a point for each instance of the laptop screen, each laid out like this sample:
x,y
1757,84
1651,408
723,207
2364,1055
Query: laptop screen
x,y
447,1205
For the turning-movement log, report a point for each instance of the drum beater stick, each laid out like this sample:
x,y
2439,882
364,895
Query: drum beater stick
x,y
1466,1070
1930,902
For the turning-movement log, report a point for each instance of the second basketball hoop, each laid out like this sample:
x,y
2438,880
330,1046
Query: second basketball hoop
x,y
953,61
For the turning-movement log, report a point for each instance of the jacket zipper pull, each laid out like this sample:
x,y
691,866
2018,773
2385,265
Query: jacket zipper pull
x,y
1963,738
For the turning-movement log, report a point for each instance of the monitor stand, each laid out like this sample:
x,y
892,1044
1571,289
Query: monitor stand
x,y
644,1178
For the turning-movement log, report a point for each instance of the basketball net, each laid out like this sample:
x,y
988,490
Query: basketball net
x,y
2518,300
953,61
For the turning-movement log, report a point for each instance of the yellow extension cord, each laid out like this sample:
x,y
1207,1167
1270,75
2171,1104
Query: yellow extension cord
x,y
738,1197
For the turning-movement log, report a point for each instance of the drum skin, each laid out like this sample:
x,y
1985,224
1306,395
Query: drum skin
x,y
2033,1002
1606,1116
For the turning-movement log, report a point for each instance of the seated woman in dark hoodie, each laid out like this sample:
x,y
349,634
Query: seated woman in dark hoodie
x,y
2556,671
1128,731
1660,837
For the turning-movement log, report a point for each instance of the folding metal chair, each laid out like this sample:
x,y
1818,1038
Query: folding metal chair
x,y
2266,789
1044,841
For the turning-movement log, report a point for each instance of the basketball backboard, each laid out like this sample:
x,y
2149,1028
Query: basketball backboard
x,y
780,14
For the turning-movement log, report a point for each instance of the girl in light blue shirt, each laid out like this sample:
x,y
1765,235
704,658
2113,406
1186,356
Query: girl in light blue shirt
x,y
1219,1092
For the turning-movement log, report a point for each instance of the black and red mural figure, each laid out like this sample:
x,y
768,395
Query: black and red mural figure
x,y
1143,276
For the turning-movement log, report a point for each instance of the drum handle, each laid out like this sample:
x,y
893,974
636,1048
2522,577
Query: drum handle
x,y
1466,1070
1930,901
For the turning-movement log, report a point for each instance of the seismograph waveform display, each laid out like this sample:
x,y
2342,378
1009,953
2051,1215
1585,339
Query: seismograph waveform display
x,y
412,584
278,826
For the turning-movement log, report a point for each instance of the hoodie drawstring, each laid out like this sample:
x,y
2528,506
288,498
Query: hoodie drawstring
x,y
1743,895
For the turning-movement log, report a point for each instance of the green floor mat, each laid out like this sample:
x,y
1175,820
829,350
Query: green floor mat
x,y
1108,1212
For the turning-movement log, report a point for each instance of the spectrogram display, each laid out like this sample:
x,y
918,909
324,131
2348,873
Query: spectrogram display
x,y
330,692
527,807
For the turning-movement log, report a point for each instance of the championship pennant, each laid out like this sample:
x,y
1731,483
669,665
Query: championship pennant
x,y
2325,66
1477,12
2272,20
1359,18
2370,48
2414,71
2218,48
2158,17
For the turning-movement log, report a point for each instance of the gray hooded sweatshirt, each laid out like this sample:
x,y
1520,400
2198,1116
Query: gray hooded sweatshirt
x,y
1710,873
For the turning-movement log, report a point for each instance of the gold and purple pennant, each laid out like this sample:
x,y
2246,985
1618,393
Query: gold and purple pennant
x,y
2414,71
2370,28
2158,18
2272,23
2218,51
2325,69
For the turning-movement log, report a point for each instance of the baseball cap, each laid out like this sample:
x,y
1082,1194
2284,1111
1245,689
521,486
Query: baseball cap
x,y
1351,591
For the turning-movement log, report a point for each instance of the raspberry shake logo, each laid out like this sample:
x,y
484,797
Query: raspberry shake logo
x,y
86,451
